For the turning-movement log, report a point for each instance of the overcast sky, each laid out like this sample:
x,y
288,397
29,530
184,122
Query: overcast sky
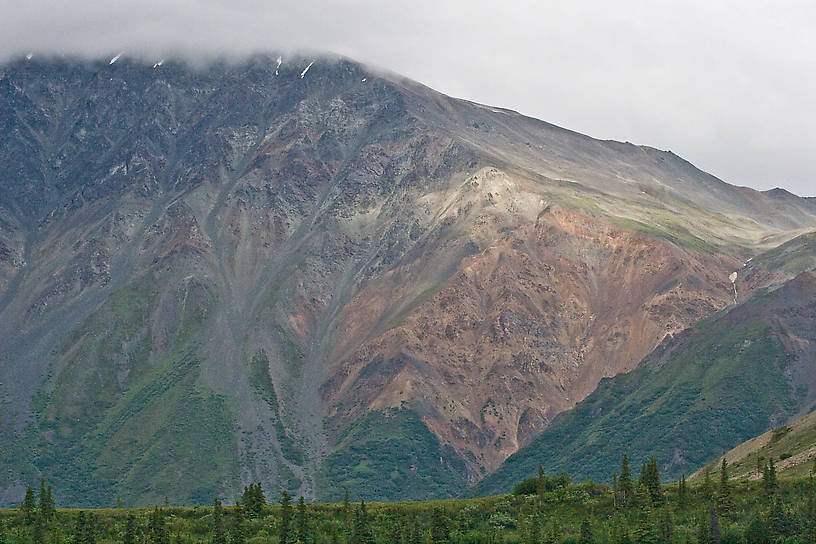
x,y
728,85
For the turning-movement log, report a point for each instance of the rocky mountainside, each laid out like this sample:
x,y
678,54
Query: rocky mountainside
x,y
699,394
272,270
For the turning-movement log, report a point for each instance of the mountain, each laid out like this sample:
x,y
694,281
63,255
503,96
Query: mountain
x,y
697,395
312,274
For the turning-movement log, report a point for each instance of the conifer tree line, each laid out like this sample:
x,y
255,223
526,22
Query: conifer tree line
x,y
544,509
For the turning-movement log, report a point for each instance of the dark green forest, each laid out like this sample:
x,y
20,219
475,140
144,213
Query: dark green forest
x,y
541,509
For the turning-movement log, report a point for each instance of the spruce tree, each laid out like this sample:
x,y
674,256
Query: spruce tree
x,y
302,522
769,483
260,498
253,500
286,518
219,535
705,488
44,509
772,475
615,490
724,499
29,506
362,531
625,482
346,513
682,493
51,507
653,482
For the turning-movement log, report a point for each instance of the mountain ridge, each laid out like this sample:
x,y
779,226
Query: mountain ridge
x,y
289,250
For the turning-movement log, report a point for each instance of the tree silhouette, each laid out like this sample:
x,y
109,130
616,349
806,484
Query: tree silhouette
x,y
219,535
625,482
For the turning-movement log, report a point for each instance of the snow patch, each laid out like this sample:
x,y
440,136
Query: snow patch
x,y
303,73
114,59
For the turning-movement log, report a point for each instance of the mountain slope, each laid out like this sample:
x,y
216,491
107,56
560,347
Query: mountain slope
x,y
791,446
697,395
254,256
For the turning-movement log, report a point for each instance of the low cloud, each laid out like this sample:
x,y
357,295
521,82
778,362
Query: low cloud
x,y
727,85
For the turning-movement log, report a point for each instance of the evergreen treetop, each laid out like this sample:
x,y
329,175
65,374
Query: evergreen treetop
x,y
285,532
362,531
219,535
29,505
625,482
724,499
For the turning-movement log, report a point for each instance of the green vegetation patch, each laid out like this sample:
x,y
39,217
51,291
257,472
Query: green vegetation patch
x,y
114,423
714,511
262,383
391,455
792,257
723,385
674,233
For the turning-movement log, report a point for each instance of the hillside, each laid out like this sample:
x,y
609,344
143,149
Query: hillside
x,y
791,446
696,396
235,269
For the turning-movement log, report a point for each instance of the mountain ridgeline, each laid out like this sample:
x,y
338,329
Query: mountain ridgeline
x,y
310,274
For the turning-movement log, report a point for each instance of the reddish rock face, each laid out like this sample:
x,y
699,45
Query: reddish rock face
x,y
520,331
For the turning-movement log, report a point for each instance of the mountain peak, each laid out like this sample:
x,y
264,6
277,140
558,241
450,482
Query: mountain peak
x,y
253,267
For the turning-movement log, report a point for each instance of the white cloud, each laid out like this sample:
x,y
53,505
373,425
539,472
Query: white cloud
x,y
727,85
